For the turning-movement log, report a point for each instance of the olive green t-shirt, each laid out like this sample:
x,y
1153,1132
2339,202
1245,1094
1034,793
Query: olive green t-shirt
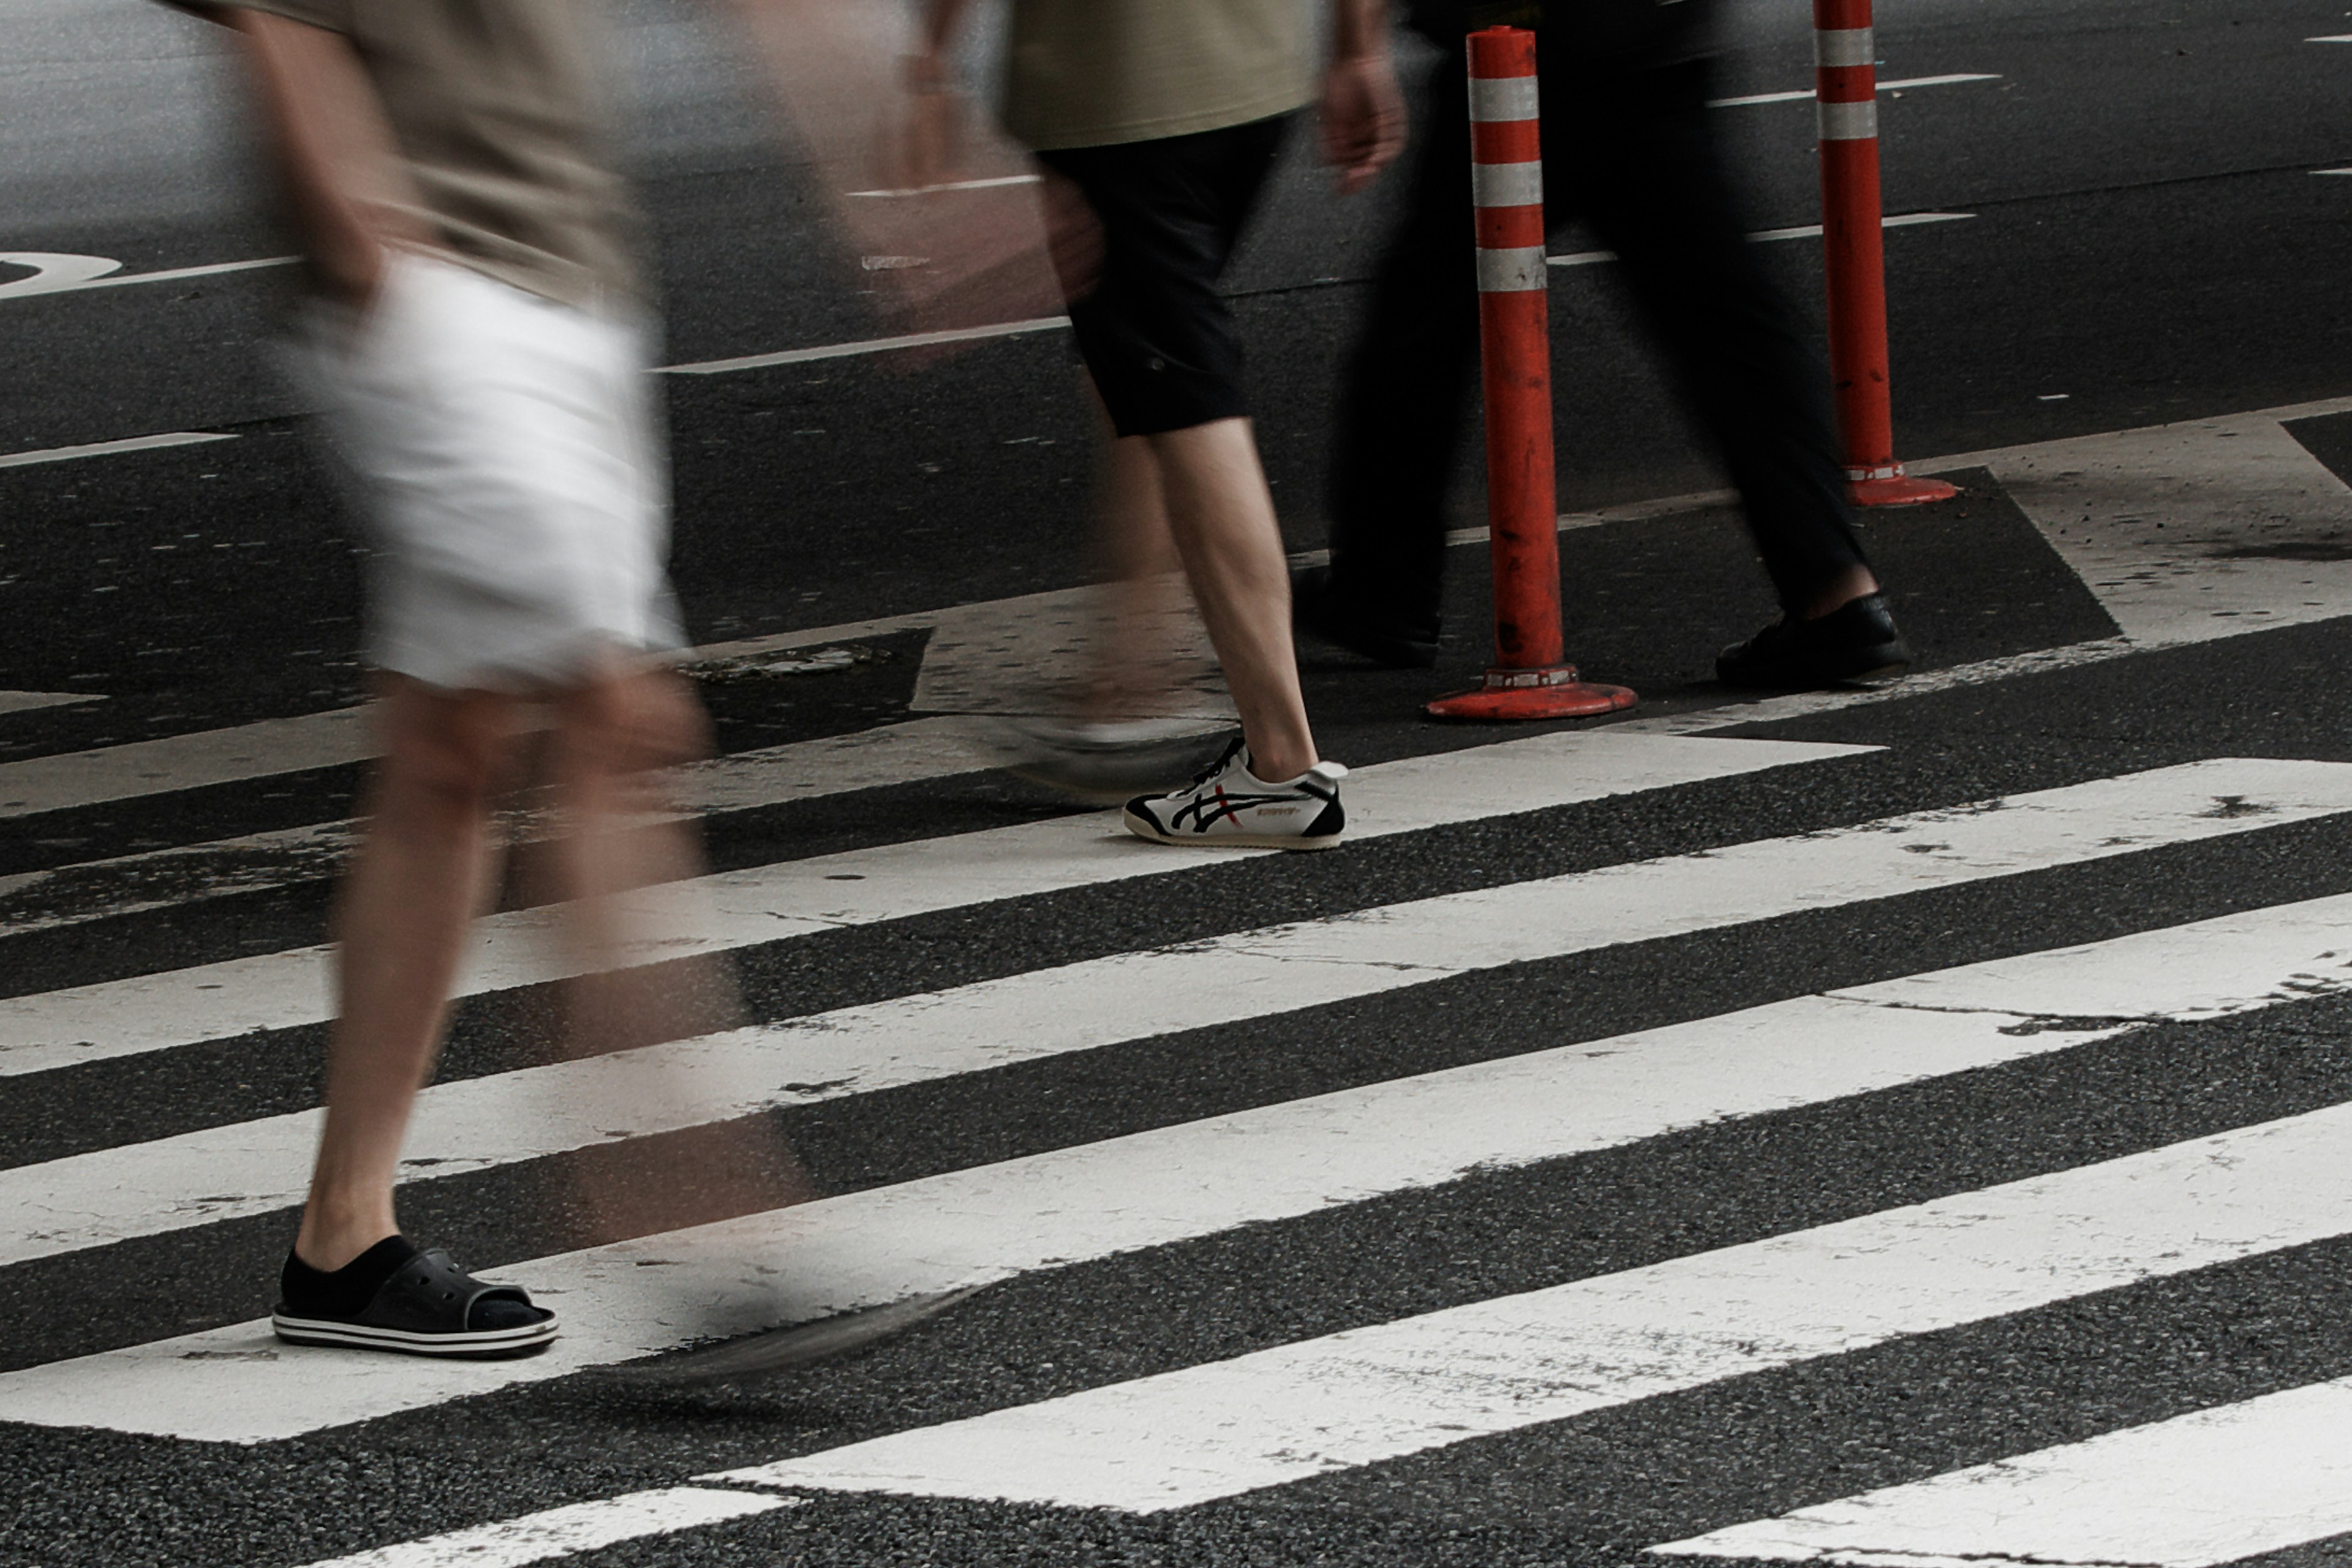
x,y
1090,73
498,107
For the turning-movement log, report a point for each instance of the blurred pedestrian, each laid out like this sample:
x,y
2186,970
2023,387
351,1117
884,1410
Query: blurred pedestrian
x,y
478,329
1157,123
1630,146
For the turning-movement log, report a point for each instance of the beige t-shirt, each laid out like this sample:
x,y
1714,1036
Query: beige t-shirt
x,y
1090,73
499,108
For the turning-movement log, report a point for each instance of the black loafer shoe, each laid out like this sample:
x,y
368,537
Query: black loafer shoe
x,y
1852,642
1317,608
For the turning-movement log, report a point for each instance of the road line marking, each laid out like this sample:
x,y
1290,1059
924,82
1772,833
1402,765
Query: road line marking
x,y
996,183
2236,1481
764,904
1769,236
2331,38
908,752
870,346
108,449
1900,220
2332,171
1368,1394
1806,95
261,750
1175,1184
566,1531
29,701
73,274
257,1167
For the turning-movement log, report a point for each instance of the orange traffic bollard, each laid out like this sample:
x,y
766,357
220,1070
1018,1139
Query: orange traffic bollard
x,y
1529,678
1846,82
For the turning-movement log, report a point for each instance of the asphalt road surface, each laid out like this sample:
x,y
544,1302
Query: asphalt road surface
x,y
1897,1125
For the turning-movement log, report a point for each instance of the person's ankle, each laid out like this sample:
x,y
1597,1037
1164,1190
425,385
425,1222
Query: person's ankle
x,y
328,1241
1275,767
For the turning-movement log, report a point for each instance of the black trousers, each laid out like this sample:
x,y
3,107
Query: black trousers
x,y
1633,152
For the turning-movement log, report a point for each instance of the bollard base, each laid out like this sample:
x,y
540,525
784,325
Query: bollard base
x,y
1525,694
1897,489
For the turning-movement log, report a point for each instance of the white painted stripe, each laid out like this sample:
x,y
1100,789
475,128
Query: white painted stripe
x,y
1518,270
1814,230
183,274
1356,1398
110,449
2332,171
184,761
1494,98
257,1167
61,274
921,749
871,346
1151,1189
52,271
945,186
566,1531
740,909
2195,1491
1805,95
1506,184
1848,121
1772,236
2331,38
1838,48
30,701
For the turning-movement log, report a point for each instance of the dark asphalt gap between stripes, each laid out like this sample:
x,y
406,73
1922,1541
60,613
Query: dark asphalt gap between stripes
x,y
1495,1232
2327,437
201,1277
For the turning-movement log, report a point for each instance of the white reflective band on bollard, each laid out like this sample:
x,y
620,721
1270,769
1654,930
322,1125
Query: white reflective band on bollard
x,y
1516,271
1835,47
1849,121
1502,98
1506,184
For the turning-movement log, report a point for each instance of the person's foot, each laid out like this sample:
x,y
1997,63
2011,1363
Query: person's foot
x,y
397,1297
1852,642
1106,762
1229,807
1321,609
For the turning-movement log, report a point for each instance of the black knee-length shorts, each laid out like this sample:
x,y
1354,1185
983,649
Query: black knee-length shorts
x,y
1154,332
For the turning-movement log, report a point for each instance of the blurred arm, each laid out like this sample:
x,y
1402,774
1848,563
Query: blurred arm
x,y
335,151
1363,111
927,70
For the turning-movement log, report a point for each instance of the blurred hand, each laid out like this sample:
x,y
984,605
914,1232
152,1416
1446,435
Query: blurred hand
x,y
350,268
1364,119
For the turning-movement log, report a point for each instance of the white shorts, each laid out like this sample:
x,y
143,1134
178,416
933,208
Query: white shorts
x,y
511,475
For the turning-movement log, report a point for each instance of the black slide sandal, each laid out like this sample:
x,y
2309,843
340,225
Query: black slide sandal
x,y
423,1308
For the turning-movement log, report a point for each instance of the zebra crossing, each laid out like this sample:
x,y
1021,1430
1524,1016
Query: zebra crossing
x,y
1431,1059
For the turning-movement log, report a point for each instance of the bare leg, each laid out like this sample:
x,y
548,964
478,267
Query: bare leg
x,y
1222,516
402,917
615,734
1145,599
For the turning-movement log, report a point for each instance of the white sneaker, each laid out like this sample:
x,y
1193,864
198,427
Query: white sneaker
x,y
1229,807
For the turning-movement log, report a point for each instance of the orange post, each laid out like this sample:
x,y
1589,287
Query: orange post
x,y
1854,249
1528,678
